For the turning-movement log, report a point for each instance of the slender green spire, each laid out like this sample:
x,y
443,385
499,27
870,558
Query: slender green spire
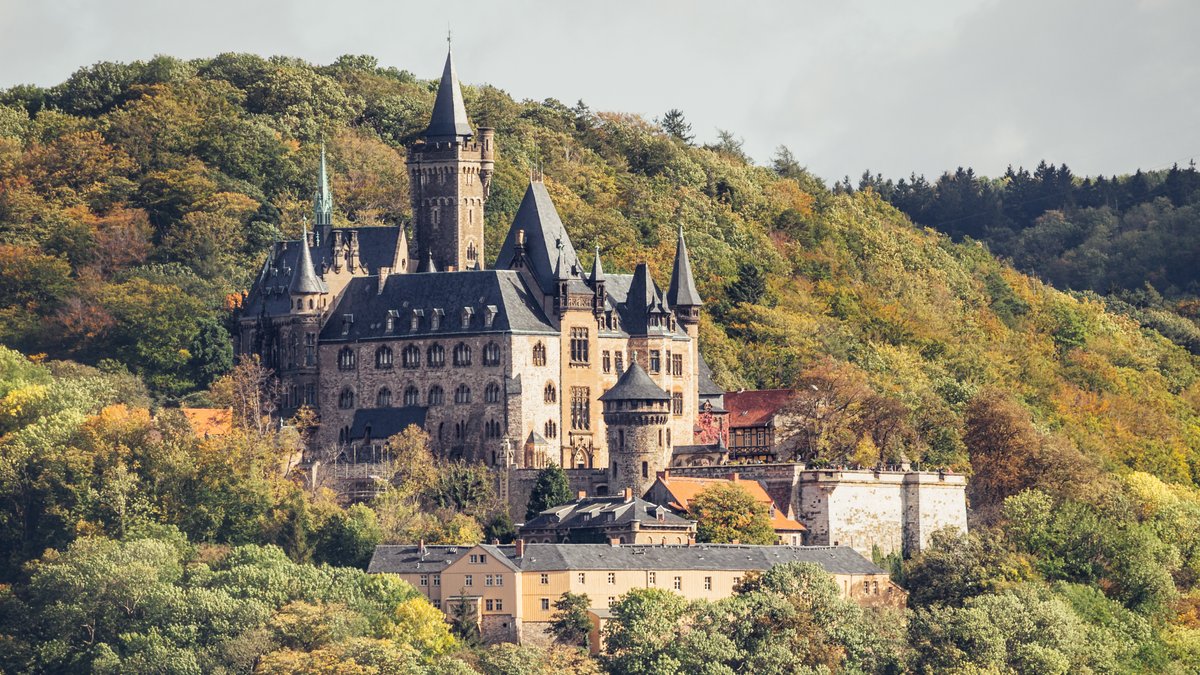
x,y
323,198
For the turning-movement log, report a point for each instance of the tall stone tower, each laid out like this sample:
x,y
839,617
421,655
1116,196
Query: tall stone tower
x,y
450,171
636,413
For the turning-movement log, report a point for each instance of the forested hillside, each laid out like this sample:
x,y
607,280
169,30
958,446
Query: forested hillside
x,y
137,201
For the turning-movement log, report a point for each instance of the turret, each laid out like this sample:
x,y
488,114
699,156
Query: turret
x,y
322,203
597,281
682,295
636,415
305,288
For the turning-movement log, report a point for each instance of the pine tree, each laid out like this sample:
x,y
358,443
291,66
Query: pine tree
x,y
551,489
679,128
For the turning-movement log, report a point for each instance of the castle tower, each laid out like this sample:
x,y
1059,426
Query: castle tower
x,y
636,414
681,294
450,171
322,203
298,371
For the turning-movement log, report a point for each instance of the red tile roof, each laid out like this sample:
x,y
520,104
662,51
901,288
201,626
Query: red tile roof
x,y
684,490
755,408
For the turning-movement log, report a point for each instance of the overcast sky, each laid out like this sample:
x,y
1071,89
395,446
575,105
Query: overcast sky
x,y
897,87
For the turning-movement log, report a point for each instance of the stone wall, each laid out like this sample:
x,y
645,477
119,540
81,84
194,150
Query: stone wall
x,y
520,484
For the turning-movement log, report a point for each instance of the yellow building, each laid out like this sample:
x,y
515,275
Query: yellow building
x,y
512,589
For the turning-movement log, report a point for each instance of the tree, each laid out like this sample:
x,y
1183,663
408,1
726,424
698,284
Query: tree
x,y
570,622
348,537
677,127
212,352
954,568
728,513
551,489
642,635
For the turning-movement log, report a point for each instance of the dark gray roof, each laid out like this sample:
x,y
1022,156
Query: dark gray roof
x,y
597,269
449,118
637,298
544,235
385,422
635,384
592,512
682,291
407,558
706,388
427,265
304,278
362,312
551,557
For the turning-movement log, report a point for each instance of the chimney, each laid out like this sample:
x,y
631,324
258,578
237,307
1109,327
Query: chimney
x,y
421,548
495,542
734,476
581,495
628,494
519,544
614,541
691,540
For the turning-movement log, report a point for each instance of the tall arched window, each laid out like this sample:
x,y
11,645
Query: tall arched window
x,y
462,394
472,252
551,429
383,399
491,354
550,393
411,356
435,356
492,393
462,355
346,360
346,398
383,357
435,395
539,354
412,395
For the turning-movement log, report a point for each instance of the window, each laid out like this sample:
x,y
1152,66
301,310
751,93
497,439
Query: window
x,y
499,605
677,365
487,604
645,470
491,354
612,577
708,583
424,579
435,356
469,580
435,319
310,348
462,355
472,253
866,587
411,357
346,398
435,395
310,394
492,429
545,604
487,580
499,580
462,394
579,345
539,354
412,395
346,359
582,578
606,361
550,394
383,358
491,394
678,583
581,405
620,356
655,361
384,398
551,429
473,559
437,580
612,600
653,578
437,604
677,403
545,579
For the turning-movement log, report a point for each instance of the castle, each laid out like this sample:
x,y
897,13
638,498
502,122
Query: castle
x,y
536,360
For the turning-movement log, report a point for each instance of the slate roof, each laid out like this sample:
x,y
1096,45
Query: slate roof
x,y
544,233
593,512
755,408
449,118
705,385
361,312
682,291
635,384
407,558
385,422
304,278
553,557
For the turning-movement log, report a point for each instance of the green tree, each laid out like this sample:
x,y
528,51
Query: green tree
x,y
551,489
674,123
570,622
348,537
728,513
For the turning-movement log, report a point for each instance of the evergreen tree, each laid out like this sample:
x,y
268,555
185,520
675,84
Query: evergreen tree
x,y
679,128
570,623
551,489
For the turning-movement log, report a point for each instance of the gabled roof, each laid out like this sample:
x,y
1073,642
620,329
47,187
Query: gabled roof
x,y
682,291
412,558
755,408
592,512
635,385
642,298
544,237
684,489
449,118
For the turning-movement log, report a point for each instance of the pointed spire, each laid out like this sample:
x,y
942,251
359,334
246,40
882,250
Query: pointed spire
x,y
427,264
561,268
400,257
449,120
635,384
304,279
682,291
597,268
323,198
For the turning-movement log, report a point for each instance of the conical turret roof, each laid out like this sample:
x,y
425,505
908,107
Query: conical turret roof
x,y
682,291
427,264
635,384
544,237
597,268
304,278
449,119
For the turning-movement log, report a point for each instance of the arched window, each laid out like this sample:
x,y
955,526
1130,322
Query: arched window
x,y
491,354
492,393
412,395
539,354
383,399
551,429
411,356
472,253
435,395
462,394
346,359
462,355
383,357
492,427
460,430
550,393
435,356
346,398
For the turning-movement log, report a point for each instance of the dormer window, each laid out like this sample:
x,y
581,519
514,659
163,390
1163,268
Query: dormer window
x,y
415,320
347,322
489,315
435,320
467,313
391,320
